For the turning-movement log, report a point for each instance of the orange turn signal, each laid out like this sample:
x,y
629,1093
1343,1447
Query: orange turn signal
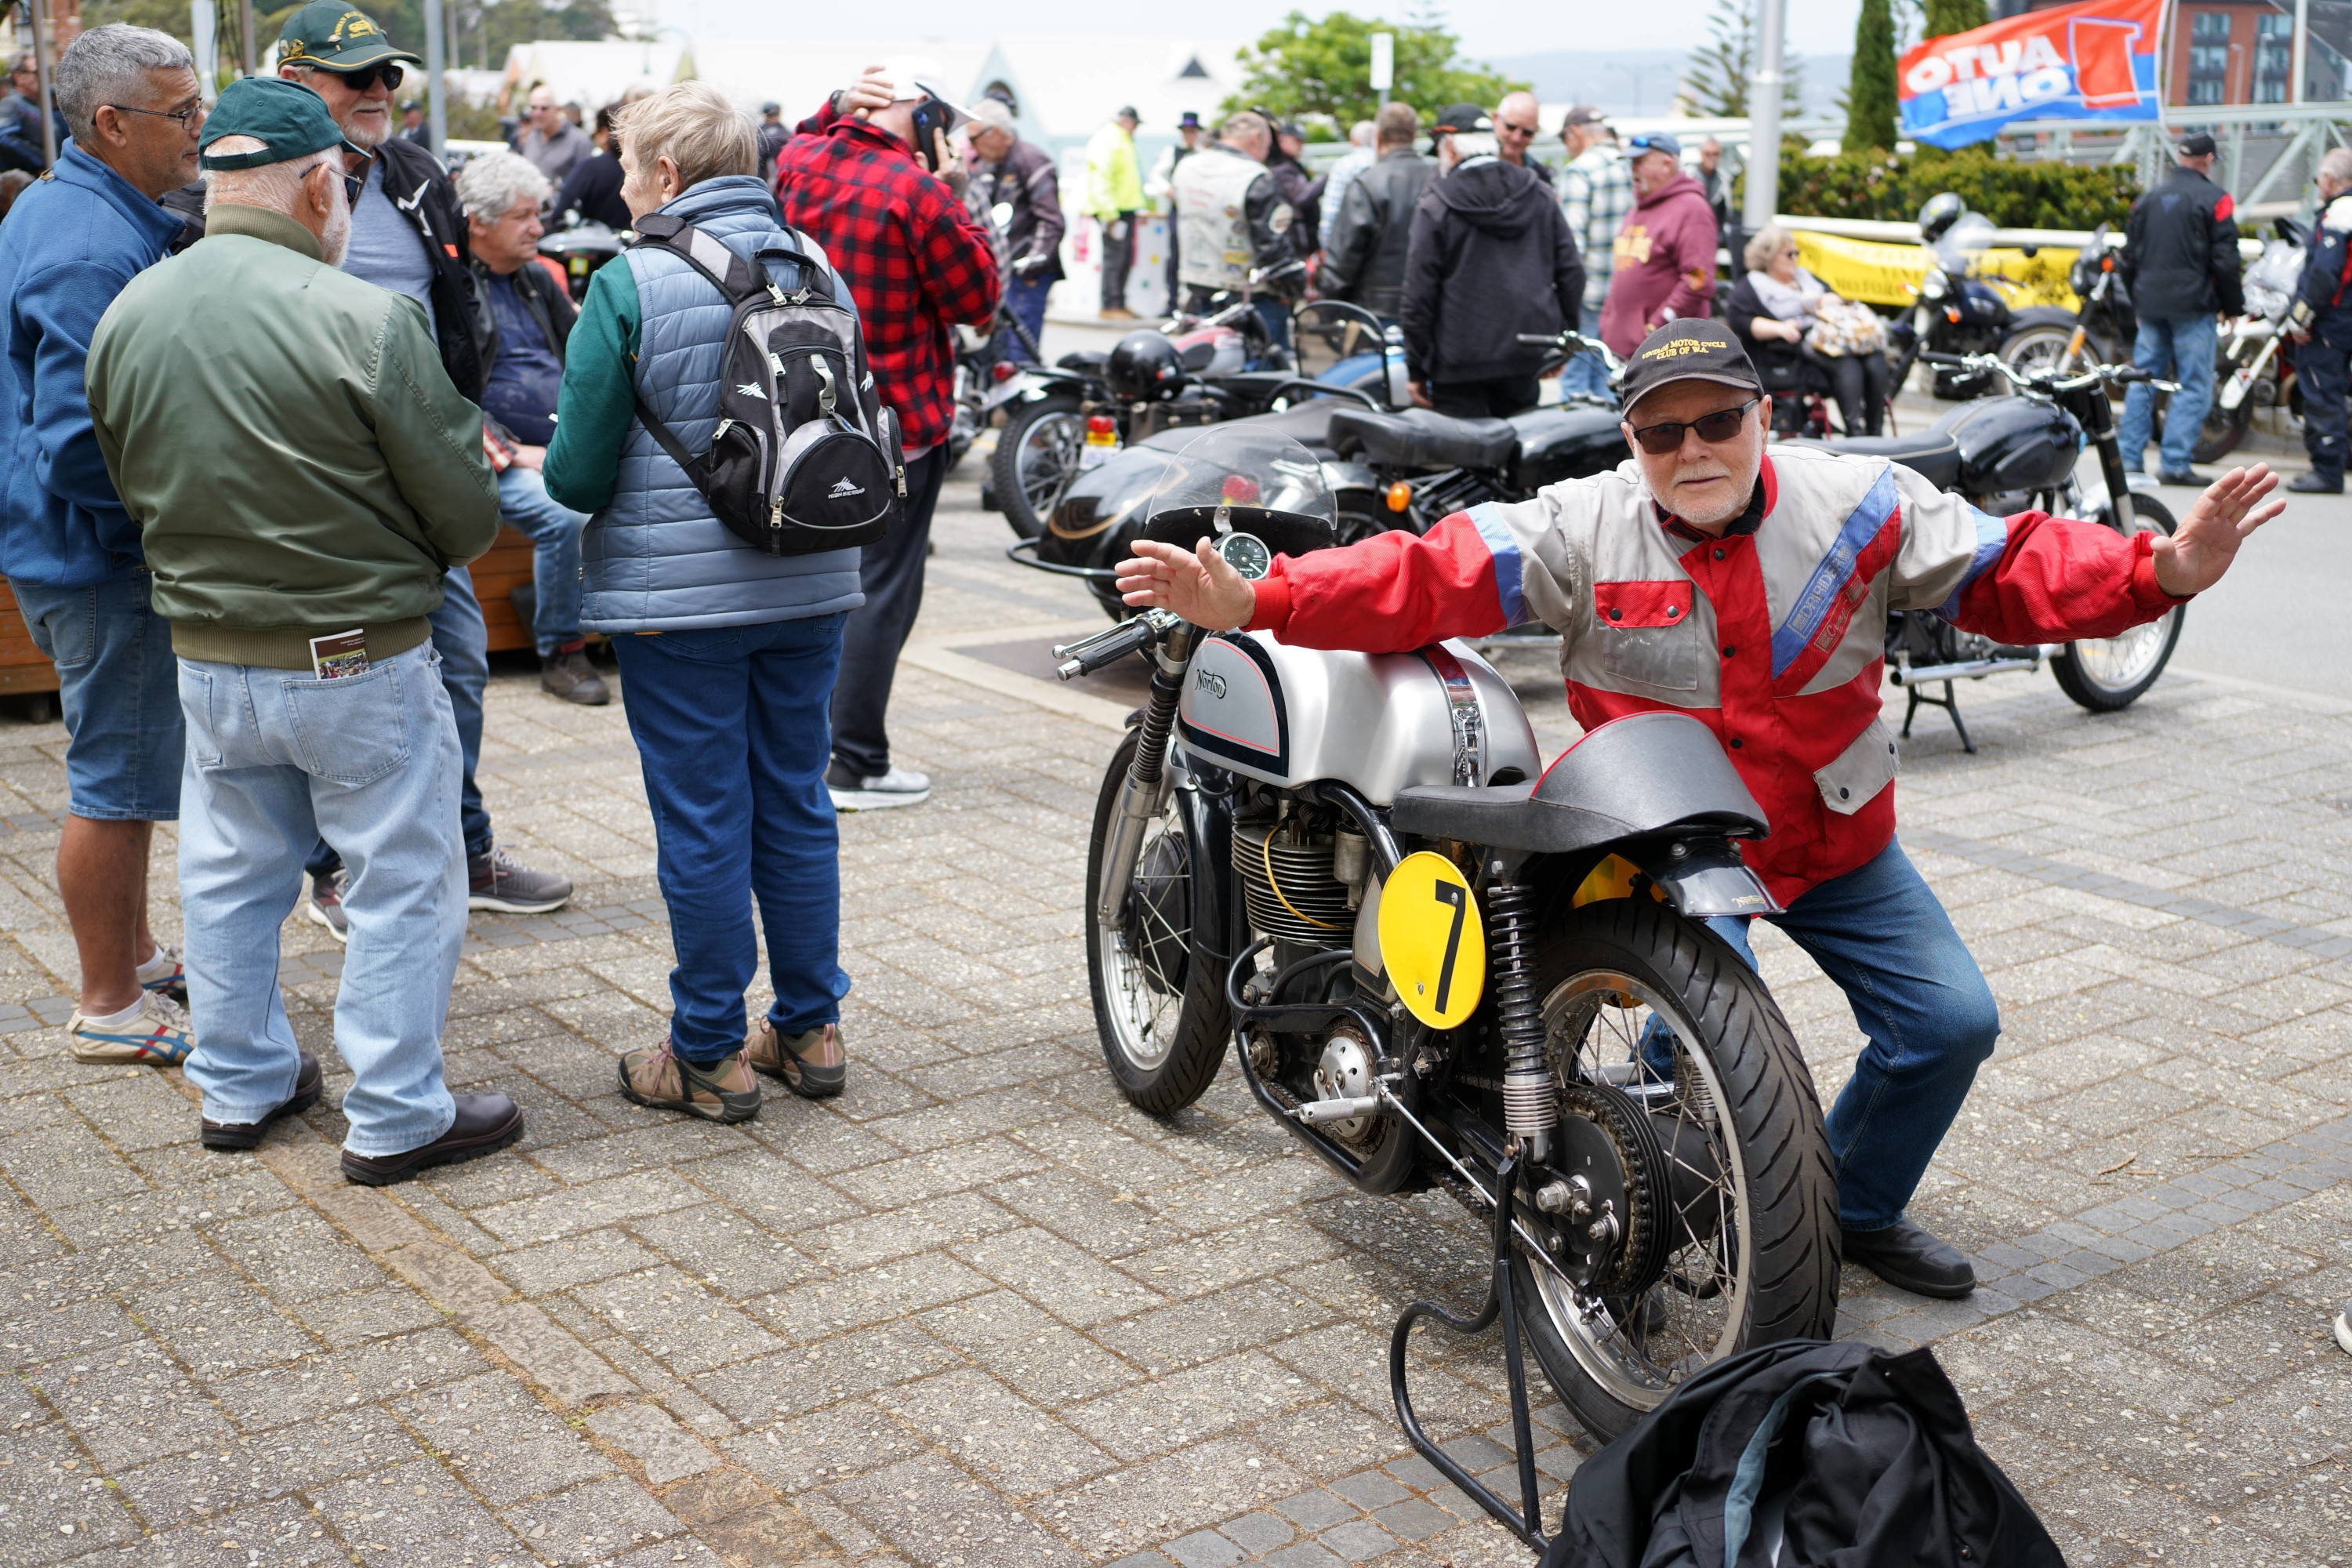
x,y
1400,496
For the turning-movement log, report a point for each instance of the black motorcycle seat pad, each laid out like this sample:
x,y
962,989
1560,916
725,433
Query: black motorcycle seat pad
x,y
1423,439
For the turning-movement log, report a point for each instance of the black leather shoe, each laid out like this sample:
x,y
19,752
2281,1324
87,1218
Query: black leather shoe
x,y
1909,1257
248,1134
2315,484
486,1123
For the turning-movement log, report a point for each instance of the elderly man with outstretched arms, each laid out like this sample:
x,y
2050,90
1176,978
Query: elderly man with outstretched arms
x,y
1751,593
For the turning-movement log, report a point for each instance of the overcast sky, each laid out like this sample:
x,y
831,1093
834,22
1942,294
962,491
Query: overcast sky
x,y
1487,27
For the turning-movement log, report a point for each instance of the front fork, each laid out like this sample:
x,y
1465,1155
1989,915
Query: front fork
x,y
2096,413
1140,798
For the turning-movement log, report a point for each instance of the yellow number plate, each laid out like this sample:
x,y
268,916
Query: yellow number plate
x,y
1430,940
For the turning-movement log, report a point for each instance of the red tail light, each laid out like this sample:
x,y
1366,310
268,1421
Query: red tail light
x,y
1101,424
1003,370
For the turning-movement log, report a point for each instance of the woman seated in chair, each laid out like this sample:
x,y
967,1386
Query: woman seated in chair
x,y
1802,337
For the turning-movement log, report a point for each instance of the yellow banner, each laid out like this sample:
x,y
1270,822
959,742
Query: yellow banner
x,y
1880,274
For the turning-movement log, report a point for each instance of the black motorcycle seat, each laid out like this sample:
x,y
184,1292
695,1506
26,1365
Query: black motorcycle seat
x,y
1423,439
1934,454
1088,362
1629,777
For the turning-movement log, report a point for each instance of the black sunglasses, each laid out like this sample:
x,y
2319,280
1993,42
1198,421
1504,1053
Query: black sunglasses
x,y
389,73
1718,427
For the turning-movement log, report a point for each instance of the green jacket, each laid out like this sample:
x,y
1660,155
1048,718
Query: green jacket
x,y
295,458
1113,183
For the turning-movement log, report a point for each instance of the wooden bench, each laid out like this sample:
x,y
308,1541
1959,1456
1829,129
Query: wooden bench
x,y
23,668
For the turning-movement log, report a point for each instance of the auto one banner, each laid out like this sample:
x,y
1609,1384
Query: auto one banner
x,y
2094,62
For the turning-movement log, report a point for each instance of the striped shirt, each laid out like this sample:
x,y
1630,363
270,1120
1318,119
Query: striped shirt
x,y
1596,190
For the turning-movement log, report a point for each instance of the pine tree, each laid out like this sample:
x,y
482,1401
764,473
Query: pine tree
x,y
1869,89
1715,83
1948,16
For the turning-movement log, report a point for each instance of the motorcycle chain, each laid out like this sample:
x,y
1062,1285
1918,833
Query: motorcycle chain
x,y
1640,1256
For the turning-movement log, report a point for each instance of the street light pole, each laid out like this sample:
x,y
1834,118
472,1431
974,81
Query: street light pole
x,y
1764,121
437,113
244,32
36,13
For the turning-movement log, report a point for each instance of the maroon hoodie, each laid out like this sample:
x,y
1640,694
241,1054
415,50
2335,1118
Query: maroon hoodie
x,y
1665,265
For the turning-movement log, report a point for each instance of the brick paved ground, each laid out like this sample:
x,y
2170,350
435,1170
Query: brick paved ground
x,y
977,1311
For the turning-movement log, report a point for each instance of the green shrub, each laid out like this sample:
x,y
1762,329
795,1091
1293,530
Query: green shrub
x,y
2015,193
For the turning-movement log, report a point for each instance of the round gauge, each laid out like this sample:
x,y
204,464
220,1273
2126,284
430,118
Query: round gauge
x,y
1247,554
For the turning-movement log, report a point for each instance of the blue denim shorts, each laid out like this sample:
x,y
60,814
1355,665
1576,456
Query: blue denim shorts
x,y
119,686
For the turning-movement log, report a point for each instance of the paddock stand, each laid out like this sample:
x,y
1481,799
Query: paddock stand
x,y
1948,703
1527,1522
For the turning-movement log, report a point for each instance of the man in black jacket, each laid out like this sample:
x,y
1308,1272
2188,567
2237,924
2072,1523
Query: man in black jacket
x,y
409,235
1490,257
2320,323
1019,175
1363,259
2180,263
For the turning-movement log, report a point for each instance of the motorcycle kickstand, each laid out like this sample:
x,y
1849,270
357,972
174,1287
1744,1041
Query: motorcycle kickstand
x,y
1948,703
1501,1301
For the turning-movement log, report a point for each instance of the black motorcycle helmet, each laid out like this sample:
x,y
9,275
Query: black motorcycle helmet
x,y
1143,368
1940,214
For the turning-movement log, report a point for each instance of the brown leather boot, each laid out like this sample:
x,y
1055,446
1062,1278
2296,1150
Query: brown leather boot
x,y
812,1065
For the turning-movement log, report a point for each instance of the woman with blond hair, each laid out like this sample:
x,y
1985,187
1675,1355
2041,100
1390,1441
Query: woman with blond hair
x,y
1792,323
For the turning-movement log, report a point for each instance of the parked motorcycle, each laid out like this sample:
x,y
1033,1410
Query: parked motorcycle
x,y
2253,368
580,247
1434,964
2019,453
2104,322
1957,314
1192,373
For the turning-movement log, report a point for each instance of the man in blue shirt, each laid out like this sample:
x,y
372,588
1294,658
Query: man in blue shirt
x,y
70,552
530,315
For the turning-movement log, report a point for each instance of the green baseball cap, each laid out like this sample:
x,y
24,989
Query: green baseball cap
x,y
336,38
286,115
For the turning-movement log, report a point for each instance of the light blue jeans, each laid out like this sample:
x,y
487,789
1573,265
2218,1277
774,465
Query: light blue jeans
x,y
1585,373
553,530
2179,348
277,759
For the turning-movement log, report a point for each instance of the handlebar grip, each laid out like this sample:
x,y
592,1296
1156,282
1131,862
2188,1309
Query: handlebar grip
x,y
1102,648
1928,358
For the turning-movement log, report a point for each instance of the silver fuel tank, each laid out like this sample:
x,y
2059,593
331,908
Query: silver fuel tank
x,y
1377,722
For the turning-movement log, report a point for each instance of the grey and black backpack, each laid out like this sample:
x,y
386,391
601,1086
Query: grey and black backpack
x,y
806,455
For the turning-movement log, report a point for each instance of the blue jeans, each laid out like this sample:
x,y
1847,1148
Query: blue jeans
x,y
2179,348
731,731
1879,933
1024,298
118,688
1585,373
554,531
276,759
463,643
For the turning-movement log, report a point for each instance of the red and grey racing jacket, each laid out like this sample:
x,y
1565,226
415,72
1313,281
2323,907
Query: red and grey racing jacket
x,y
1773,635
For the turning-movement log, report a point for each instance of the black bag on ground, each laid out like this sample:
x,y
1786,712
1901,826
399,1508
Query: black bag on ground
x,y
1801,1453
806,455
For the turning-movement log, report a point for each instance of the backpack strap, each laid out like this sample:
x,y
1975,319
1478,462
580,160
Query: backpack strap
x,y
661,434
735,279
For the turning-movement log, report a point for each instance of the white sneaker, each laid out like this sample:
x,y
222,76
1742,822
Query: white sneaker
x,y
898,787
156,1032
2344,1327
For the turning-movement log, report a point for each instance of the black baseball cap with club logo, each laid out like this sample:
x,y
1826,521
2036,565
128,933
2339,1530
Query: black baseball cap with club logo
x,y
1694,349
337,38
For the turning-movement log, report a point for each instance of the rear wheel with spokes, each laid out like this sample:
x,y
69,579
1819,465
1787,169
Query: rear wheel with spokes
x,y
2105,674
1160,1005
1036,457
1721,1211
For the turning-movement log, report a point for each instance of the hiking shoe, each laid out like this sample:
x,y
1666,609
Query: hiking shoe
x,y
153,1031
661,1079
495,882
2344,1327
484,1124
812,1065
876,793
164,976
248,1134
570,676
325,907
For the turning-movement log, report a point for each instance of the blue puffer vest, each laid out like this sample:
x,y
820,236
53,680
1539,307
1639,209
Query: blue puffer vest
x,y
655,559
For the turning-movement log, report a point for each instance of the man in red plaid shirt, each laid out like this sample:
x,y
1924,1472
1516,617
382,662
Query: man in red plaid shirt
x,y
918,264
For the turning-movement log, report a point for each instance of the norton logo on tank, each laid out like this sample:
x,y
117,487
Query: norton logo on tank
x,y
2094,62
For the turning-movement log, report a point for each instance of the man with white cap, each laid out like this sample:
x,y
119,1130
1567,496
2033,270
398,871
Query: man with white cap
x,y
870,178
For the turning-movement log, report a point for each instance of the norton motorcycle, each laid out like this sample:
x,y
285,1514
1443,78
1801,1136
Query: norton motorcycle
x,y
2019,453
1437,961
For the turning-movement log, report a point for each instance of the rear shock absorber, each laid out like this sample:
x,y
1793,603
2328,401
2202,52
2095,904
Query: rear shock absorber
x,y
1531,1108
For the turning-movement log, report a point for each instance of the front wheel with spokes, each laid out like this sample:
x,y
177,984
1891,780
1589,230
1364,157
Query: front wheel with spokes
x,y
1159,1005
1707,1222
2105,674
